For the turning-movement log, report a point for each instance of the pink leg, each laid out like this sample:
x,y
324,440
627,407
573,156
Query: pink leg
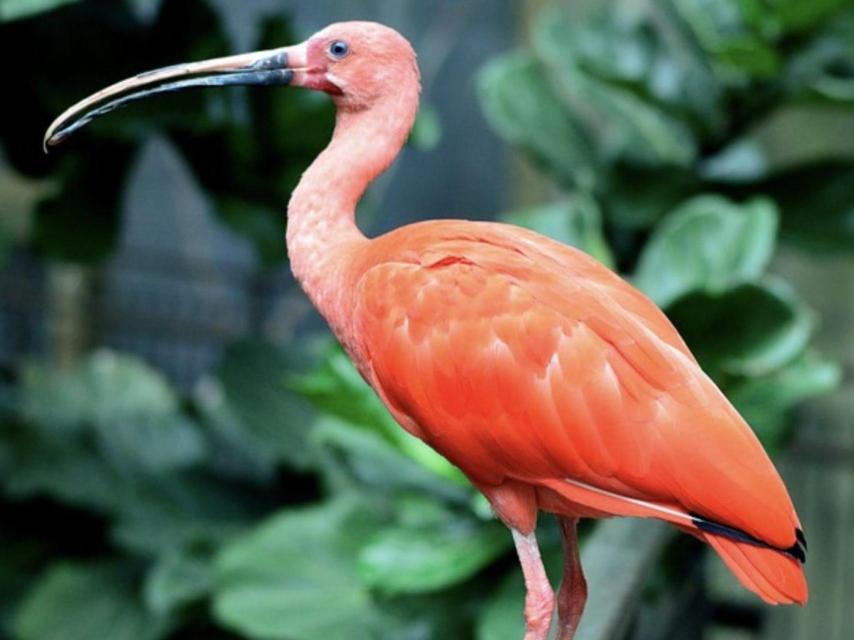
x,y
572,594
539,601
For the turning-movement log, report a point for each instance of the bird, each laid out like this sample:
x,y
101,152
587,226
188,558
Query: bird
x,y
553,384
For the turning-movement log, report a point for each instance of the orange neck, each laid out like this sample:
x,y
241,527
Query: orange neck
x,y
322,235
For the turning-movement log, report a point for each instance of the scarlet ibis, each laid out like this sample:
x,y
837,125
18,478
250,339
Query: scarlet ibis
x,y
550,381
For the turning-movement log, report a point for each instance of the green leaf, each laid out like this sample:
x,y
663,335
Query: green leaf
x,y
646,52
521,106
409,560
366,459
152,443
234,451
178,578
765,401
817,205
82,602
821,70
337,389
749,330
253,376
622,123
59,467
738,36
173,511
18,9
105,389
130,407
708,244
294,577
577,221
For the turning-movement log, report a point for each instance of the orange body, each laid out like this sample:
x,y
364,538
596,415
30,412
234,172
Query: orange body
x,y
554,384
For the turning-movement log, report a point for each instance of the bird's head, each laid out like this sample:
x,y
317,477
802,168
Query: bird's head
x,y
358,63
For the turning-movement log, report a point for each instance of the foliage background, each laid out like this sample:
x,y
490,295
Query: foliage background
x,y
683,142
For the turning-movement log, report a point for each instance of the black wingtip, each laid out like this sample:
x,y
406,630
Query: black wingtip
x,y
709,526
797,552
799,534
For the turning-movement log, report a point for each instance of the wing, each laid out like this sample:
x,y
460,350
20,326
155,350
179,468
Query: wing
x,y
543,366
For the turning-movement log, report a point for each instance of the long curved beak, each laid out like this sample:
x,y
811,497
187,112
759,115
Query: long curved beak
x,y
274,67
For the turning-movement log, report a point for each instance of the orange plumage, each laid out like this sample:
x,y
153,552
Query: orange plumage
x,y
524,360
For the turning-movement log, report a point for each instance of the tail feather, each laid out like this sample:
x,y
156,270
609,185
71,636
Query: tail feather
x,y
773,575
776,575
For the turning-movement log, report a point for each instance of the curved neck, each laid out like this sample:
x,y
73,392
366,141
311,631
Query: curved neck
x,y
322,231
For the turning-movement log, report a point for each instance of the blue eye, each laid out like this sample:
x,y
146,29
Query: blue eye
x,y
339,48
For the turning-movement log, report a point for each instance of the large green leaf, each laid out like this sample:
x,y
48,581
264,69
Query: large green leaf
x,y
82,602
129,406
253,376
764,401
576,221
106,388
419,559
750,330
621,122
294,577
707,244
520,104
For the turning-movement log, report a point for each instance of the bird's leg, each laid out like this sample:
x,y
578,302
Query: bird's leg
x,y
572,594
540,599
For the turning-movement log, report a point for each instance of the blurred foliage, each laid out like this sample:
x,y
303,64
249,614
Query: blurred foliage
x,y
278,500
207,500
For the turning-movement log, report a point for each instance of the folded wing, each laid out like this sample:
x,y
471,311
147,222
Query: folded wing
x,y
534,362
